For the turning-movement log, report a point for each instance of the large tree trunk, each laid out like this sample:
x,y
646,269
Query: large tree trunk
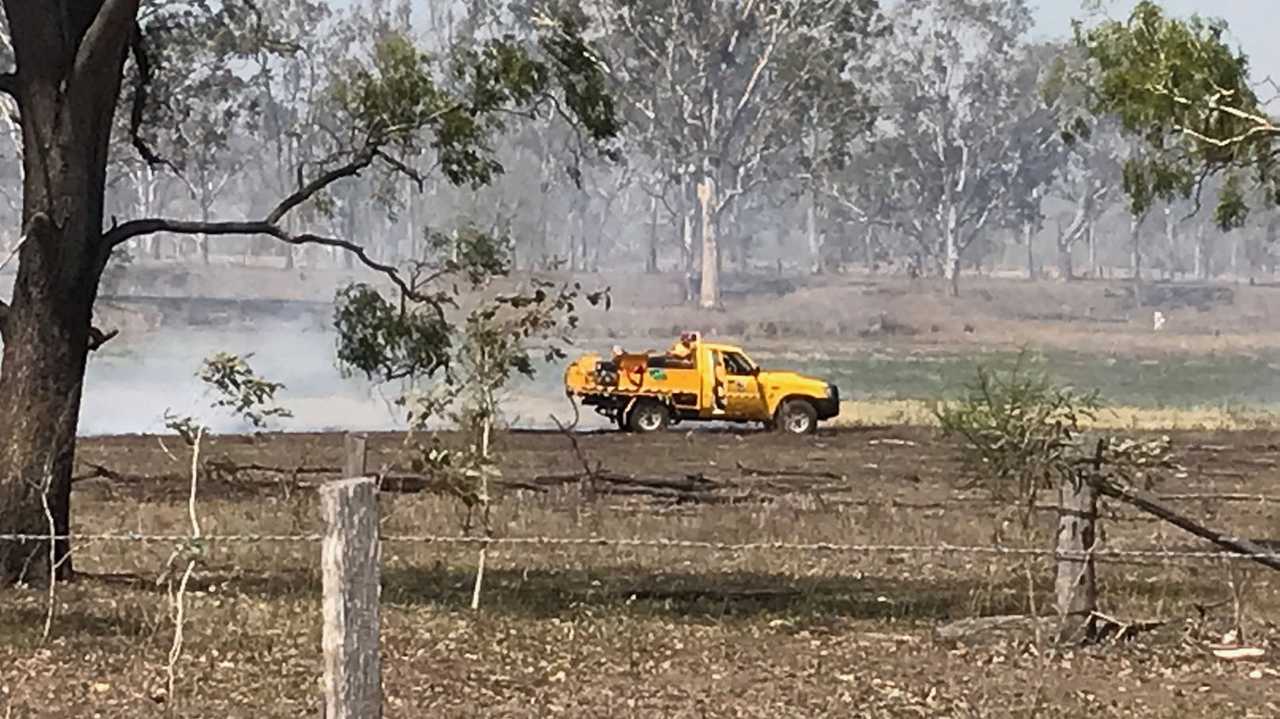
x,y
1091,241
1028,239
67,89
812,236
651,256
46,341
1135,242
709,292
1066,268
951,252
686,240
205,216
349,224
1202,269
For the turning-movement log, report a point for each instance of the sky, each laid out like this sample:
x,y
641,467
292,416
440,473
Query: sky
x,y
1252,23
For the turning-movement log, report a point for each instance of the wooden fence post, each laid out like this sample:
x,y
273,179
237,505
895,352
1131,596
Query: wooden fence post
x,y
350,560
1075,589
356,448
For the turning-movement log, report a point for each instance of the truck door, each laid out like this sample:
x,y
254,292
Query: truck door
x,y
745,395
716,382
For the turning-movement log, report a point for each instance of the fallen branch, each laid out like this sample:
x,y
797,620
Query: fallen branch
x,y
1107,627
892,441
689,483
799,473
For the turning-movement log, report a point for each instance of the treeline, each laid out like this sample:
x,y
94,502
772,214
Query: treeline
x,y
934,137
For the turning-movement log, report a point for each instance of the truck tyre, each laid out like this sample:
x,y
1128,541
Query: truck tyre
x,y
648,416
797,416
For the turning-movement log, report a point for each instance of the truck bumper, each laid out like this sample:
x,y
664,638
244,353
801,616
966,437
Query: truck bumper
x,y
830,406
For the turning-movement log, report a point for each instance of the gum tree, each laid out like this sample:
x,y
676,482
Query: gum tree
x,y
959,144
72,60
1186,94
724,93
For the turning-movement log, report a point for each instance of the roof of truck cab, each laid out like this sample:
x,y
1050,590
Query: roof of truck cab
x,y
722,347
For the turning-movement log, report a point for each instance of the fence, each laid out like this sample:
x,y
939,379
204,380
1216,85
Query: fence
x,y
351,564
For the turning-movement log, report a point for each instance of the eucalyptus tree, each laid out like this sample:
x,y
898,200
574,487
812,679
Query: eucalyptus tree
x,y
959,146
1188,96
719,85
72,60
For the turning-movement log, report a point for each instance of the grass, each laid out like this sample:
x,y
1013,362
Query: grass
x,y
636,632
1157,382
917,413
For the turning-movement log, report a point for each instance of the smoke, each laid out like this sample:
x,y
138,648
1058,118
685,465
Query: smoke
x,y
131,383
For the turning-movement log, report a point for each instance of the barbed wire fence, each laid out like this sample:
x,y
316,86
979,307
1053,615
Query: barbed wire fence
x,y
351,562
1118,555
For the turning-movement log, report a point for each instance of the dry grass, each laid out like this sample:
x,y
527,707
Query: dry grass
x,y
639,632
917,413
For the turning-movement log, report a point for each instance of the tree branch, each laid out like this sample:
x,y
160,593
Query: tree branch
x,y
141,91
415,176
361,161
139,228
97,338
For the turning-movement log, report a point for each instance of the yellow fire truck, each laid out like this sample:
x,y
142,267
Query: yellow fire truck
x,y
697,380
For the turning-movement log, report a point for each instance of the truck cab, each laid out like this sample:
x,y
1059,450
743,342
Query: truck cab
x,y
696,380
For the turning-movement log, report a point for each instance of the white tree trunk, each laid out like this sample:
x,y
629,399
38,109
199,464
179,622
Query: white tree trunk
x,y
411,220
651,255
1135,240
686,238
709,295
144,180
951,249
1028,235
1091,240
1201,268
811,233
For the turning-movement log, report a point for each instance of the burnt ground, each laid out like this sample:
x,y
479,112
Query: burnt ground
x,y
640,631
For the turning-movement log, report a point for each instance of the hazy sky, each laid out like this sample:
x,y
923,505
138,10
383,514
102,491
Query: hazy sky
x,y
1252,23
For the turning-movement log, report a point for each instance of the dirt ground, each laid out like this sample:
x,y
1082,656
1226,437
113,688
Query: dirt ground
x,y
639,631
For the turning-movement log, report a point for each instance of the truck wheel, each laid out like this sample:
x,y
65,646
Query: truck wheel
x,y
648,416
796,416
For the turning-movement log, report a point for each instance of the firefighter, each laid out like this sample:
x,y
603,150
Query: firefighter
x,y
683,350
